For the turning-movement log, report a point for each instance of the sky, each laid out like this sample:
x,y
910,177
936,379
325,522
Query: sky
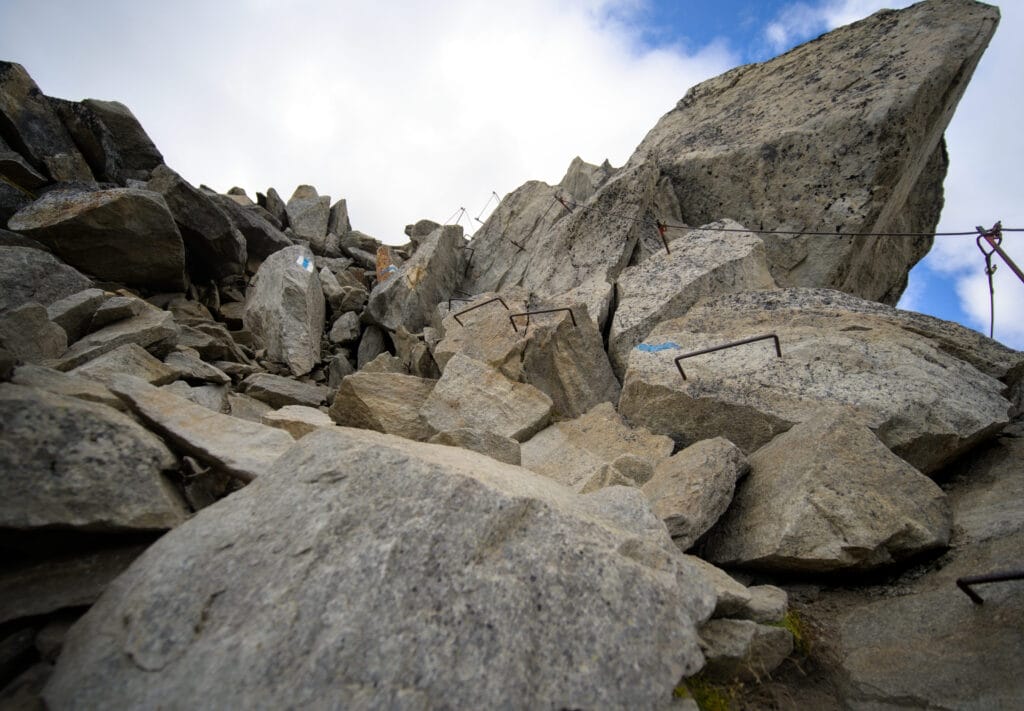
x,y
413,108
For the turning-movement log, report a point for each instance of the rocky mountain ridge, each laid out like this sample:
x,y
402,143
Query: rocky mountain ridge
x,y
474,473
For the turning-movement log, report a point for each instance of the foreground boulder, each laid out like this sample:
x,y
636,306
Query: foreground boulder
x,y
124,235
825,496
923,403
284,309
840,135
68,462
383,573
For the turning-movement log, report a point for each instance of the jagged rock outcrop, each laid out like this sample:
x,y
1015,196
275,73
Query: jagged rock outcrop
x,y
79,464
842,134
825,496
485,562
924,404
125,235
284,309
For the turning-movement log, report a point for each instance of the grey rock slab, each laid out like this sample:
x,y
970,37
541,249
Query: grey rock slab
x,y
491,568
129,359
247,408
346,329
284,309
338,222
67,384
123,235
473,394
923,403
701,263
841,134
244,449
308,213
17,171
73,463
766,604
385,402
571,452
297,420
276,207
262,237
191,368
214,247
742,649
128,151
73,580
371,345
115,308
504,449
35,130
409,297
74,313
386,363
212,397
278,391
148,329
693,488
827,495
28,334
33,275
212,341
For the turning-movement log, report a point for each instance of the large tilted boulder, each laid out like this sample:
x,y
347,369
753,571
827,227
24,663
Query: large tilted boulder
x,y
666,285
408,298
35,130
68,462
840,135
152,329
923,403
385,402
380,572
34,275
284,309
261,237
308,214
827,495
124,235
473,394
573,452
561,354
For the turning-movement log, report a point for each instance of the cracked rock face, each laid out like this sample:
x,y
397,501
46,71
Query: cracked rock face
x,y
382,573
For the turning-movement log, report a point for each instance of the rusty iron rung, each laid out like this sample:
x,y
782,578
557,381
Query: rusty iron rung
x,y
778,349
527,314
472,308
966,582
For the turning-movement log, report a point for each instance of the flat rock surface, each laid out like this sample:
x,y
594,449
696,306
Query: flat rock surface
x,y
28,274
129,359
385,402
297,420
380,573
923,403
58,383
279,391
245,449
68,462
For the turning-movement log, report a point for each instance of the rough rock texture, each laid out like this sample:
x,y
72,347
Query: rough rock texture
x,y
761,603
409,297
385,402
371,345
129,359
58,383
840,134
284,309
308,213
122,234
74,313
278,391
247,408
212,397
742,649
28,334
68,462
472,394
149,328
504,449
561,354
297,420
214,248
189,367
346,328
582,252
262,238
665,286
692,489
33,275
827,495
35,130
573,451
244,449
116,308
18,173
924,404
482,560
126,152
65,581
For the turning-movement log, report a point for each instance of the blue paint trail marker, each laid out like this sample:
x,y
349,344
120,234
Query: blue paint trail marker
x,y
660,347
305,262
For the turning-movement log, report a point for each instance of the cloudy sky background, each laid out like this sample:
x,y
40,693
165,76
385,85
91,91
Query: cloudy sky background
x,y
413,109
